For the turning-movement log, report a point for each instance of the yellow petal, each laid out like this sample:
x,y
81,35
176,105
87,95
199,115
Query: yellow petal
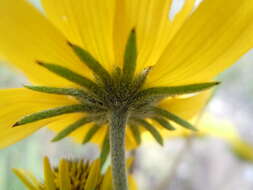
x,y
132,183
49,175
88,24
154,29
17,103
107,181
186,108
217,34
27,36
25,177
212,126
94,175
150,19
243,149
64,177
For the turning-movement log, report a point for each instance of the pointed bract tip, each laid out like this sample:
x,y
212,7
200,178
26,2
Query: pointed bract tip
x,y
39,63
53,140
84,142
217,83
16,124
148,69
70,44
194,129
26,86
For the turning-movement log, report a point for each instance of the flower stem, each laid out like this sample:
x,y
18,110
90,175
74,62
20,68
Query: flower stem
x,y
117,142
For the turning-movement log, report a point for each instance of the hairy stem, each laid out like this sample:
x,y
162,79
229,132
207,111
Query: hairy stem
x,y
117,142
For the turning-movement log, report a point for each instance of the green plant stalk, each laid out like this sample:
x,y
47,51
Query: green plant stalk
x,y
118,122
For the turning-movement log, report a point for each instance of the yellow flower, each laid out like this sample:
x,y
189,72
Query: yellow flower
x,y
79,52
71,175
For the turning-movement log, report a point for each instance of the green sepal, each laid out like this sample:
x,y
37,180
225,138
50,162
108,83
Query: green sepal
x,y
50,113
153,131
73,77
136,133
140,79
143,103
78,93
164,123
173,117
105,149
130,57
55,90
177,90
92,63
69,129
91,132
117,74
62,91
